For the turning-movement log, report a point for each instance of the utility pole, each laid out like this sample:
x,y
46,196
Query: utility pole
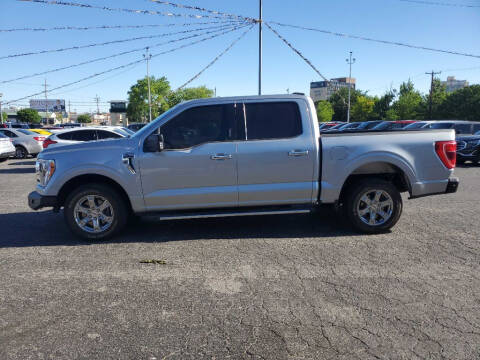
x,y
46,102
1,113
350,61
69,108
97,99
147,57
260,47
430,102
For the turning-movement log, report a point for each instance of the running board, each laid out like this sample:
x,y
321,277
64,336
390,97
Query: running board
x,y
230,213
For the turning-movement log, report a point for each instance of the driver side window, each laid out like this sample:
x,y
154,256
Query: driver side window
x,y
197,126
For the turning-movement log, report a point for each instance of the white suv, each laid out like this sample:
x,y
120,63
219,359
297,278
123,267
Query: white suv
x,y
76,135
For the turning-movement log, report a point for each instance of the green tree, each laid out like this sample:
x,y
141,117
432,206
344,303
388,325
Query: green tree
x,y
84,119
383,105
137,110
28,116
439,94
339,101
463,104
176,97
4,117
410,103
324,110
362,109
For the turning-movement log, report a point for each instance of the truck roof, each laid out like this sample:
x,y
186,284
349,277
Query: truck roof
x,y
248,98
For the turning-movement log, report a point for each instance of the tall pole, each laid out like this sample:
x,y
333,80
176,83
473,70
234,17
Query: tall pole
x,y
260,47
97,99
1,113
46,102
350,61
430,102
147,57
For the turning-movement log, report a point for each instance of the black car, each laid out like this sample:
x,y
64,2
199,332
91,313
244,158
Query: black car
x,y
468,149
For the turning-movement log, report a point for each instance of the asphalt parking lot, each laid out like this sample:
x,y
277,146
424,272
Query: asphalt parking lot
x,y
287,287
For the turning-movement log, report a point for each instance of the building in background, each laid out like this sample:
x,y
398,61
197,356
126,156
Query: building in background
x,y
118,112
322,90
453,84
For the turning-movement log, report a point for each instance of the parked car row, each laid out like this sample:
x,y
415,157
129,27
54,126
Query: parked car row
x,y
460,126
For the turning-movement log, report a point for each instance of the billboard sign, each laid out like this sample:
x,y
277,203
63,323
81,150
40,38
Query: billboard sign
x,y
53,105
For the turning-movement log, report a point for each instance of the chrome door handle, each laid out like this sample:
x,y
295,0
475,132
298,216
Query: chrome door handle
x,y
221,157
298,153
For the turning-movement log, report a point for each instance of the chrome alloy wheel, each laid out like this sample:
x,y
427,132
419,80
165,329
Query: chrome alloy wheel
x,y
375,207
93,214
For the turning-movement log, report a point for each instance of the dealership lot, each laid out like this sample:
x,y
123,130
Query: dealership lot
x,y
297,287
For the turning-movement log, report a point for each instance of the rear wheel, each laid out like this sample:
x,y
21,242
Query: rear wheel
x,y
95,212
20,152
373,205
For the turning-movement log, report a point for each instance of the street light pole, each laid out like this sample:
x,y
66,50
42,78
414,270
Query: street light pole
x,y
260,47
350,61
1,113
147,57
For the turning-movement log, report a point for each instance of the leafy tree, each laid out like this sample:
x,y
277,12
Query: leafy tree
x,y
362,109
4,117
176,97
84,118
137,110
383,105
439,94
324,111
410,103
29,116
339,101
463,104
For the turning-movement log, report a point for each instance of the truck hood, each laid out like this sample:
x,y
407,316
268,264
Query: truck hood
x,y
91,146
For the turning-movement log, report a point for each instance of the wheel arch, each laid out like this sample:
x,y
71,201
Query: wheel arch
x,y
381,170
84,179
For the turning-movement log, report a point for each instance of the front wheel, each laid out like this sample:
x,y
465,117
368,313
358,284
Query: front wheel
x,y
373,205
95,212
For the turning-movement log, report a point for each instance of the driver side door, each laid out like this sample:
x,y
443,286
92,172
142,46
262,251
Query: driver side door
x,y
197,168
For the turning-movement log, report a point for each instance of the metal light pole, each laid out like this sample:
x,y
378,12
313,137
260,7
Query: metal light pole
x,y
147,57
350,61
1,113
260,45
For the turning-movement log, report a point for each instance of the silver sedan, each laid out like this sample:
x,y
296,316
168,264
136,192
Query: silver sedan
x,y
25,142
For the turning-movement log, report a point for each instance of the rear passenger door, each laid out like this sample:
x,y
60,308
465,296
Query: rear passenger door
x,y
276,159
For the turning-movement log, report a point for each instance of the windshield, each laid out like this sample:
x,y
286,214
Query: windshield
x,y
26,132
416,125
151,126
442,126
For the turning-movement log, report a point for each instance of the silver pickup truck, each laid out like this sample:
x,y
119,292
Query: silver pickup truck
x,y
242,156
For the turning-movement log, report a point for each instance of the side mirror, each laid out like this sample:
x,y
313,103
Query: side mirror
x,y
153,143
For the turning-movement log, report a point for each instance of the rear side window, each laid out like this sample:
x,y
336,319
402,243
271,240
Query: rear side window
x,y
102,134
9,133
83,135
272,120
199,125
463,128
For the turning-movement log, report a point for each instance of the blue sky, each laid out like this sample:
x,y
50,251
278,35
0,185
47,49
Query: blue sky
x,y
377,68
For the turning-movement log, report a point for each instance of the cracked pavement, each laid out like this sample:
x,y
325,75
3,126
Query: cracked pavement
x,y
274,287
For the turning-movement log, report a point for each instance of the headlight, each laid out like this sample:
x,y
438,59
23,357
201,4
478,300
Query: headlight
x,y
44,170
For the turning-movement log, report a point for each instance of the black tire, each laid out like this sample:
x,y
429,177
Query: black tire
x,y
20,152
120,211
3,159
354,205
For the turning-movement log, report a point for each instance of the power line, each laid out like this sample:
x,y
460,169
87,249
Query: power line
x,y
297,51
440,3
110,27
114,55
106,42
124,65
217,58
375,40
214,12
133,11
